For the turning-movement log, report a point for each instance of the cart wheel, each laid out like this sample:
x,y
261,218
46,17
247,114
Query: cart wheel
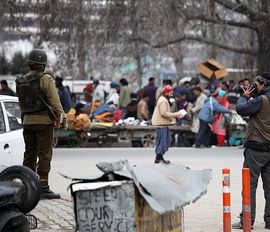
x,y
72,143
148,140
101,139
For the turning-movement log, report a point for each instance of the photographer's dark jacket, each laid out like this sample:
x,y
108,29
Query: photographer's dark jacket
x,y
45,87
258,109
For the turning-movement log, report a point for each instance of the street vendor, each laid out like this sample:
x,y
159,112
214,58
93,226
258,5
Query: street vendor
x,y
161,119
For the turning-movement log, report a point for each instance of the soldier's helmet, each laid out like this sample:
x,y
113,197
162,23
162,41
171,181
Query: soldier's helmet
x,y
37,56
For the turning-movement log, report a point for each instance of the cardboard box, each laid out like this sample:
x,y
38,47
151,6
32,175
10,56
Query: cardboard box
x,y
119,206
212,69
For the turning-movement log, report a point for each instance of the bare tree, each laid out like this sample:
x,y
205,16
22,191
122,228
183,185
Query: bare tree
x,y
90,35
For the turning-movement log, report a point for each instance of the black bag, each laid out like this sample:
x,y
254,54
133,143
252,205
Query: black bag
x,y
48,107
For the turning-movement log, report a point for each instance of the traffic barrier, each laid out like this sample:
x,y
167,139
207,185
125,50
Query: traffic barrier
x,y
226,200
246,200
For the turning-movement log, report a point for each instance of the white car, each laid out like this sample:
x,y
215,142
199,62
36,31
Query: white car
x,y
11,136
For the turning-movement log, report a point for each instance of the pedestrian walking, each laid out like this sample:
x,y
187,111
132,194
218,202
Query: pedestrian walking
x,y
207,117
113,96
124,95
161,119
150,89
142,108
196,107
218,126
131,110
63,94
233,94
88,92
257,142
99,93
41,112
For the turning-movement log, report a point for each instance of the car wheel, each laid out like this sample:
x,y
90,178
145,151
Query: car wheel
x,y
31,182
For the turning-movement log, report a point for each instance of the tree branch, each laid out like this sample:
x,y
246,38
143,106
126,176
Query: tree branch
x,y
242,8
198,39
222,46
222,21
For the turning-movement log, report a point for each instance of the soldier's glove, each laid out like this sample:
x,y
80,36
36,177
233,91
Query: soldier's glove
x,y
64,123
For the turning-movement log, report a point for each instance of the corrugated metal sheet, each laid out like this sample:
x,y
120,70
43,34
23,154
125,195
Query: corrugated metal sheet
x,y
164,187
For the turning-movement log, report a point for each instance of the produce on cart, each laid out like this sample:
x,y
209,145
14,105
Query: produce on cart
x,y
76,134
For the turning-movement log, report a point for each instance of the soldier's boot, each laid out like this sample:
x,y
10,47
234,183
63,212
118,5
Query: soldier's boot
x,y
46,193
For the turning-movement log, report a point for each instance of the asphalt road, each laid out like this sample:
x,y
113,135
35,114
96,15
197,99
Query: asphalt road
x,y
203,215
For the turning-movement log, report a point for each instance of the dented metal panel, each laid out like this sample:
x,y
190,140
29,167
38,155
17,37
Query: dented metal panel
x,y
170,186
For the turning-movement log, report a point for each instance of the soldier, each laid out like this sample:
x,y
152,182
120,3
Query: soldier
x,y
41,112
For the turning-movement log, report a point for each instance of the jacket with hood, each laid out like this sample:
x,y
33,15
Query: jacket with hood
x,y
207,114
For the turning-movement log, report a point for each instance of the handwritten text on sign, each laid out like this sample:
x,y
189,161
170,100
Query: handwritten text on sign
x,y
106,209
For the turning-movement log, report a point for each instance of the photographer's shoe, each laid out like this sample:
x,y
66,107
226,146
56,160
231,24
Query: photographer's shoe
x,y
239,226
46,193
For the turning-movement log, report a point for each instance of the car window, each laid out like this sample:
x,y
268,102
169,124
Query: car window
x,y
14,115
2,121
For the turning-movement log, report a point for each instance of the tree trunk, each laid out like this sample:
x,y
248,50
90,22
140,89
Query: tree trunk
x,y
138,70
137,57
263,56
213,49
80,40
178,62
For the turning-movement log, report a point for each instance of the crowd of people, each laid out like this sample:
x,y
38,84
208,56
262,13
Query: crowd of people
x,y
205,105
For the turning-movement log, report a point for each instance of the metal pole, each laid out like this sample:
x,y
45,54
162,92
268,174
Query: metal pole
x,y
226,200
246,200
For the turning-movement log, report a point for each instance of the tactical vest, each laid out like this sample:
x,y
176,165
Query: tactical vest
x,y
259,125
29,101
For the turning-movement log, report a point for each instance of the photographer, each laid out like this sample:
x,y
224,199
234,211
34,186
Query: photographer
x,y
255,103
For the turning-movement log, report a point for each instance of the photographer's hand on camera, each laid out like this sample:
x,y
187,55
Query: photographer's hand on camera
x,y
249,91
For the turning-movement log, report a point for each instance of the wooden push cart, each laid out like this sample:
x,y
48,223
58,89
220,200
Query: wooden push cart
x,y
121,135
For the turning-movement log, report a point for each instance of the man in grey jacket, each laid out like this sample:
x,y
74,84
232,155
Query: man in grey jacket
x,y
255,103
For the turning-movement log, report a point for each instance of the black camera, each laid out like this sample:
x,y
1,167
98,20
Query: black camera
x,y
254,86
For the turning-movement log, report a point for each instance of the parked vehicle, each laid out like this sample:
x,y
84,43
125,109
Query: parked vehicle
x,y
11,138
19,185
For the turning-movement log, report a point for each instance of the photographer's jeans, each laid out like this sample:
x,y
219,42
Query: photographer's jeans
x,y
258,163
